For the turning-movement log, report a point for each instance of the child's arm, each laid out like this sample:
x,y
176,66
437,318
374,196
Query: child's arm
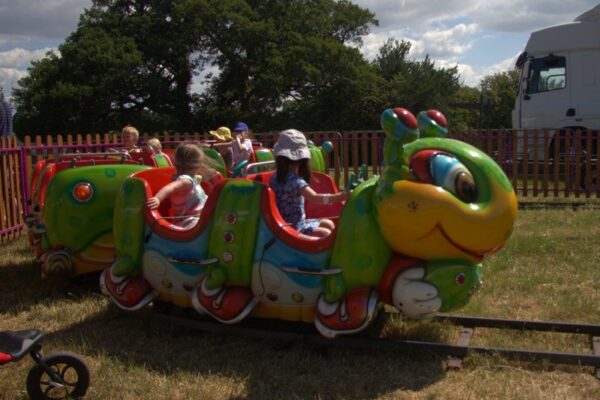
x,y
237,143
168,190
309,194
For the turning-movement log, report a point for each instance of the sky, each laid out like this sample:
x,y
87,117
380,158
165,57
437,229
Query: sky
x,y
480,37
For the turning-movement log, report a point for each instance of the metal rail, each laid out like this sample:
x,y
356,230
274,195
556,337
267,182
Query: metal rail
x,y
305,333
574,205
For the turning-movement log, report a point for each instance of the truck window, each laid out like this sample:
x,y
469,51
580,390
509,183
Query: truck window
x,y
547,73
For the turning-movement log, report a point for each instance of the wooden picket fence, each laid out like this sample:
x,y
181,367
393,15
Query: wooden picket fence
x,y
566,170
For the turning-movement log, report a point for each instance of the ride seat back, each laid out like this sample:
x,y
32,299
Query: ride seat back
x,y
320,183
234,231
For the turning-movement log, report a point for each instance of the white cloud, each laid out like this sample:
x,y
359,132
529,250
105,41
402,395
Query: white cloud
x,y
501,15
9,78
443,43
21,58
13,65
394,14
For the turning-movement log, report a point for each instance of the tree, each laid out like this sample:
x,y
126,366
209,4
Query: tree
x,y
499,90
463,110
132,61
415,85
127,62
276,53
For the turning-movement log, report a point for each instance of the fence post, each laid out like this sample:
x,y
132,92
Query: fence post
x,y
337,144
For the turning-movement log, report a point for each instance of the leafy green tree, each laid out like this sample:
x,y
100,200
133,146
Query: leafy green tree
x,y
77,90
132,61
127,62
414,85
463,110
276,53
499,91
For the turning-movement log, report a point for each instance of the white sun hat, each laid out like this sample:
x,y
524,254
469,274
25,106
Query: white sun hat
x,y
291,143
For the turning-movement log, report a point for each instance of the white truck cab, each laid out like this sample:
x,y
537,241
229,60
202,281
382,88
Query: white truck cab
x,y
560,78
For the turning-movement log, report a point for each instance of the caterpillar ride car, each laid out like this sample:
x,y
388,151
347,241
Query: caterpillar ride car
x,y
413,238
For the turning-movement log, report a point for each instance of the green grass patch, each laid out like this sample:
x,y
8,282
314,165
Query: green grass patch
x,y
550,270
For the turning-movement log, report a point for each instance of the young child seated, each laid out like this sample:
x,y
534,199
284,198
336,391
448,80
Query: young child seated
x,y
129,139
290,184
223,145
153,146
186,195
241,146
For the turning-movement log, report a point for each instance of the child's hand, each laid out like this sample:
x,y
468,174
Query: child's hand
x,y
153,203
346,194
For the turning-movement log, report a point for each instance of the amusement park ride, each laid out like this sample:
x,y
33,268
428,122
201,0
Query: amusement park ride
x,y
413,239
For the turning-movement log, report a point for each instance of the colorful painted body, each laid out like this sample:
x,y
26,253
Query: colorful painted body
x,y
72,237
413,238
62,242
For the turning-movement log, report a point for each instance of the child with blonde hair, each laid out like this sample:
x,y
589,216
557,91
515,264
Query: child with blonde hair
x,y
129,137
154,147
185,192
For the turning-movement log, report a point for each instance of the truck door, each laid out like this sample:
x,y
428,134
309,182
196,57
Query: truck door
x,y
586,87
547,98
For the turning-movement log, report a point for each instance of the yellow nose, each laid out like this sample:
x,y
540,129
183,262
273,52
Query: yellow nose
x,y
427,222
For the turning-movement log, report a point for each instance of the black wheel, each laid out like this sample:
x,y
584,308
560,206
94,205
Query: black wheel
x,y
74,377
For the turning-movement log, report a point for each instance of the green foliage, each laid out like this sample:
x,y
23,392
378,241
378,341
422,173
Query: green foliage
x,y
272,63
499,92
463,110
280,56
415,85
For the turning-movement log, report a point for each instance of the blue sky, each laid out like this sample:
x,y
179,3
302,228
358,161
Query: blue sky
x,y
479,36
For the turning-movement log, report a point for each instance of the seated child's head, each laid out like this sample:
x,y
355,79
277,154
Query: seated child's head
x,y
154,145
222,134
129,137
189,159
291,150
240,128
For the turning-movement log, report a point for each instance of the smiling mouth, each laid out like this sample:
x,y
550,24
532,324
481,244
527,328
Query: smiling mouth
x,y
478,255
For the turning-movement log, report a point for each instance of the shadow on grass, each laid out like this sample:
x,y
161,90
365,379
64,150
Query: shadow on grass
x,y
28,289
270,369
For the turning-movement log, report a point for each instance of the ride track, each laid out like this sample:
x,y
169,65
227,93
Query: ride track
x,y
290,332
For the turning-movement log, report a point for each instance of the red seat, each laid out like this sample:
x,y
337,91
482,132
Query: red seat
x,y
155,179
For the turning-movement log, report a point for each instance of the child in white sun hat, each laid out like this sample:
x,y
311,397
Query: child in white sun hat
x,y
290,184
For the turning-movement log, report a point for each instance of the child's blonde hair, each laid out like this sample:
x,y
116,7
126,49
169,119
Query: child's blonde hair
x,y
189,156
154,144
128,129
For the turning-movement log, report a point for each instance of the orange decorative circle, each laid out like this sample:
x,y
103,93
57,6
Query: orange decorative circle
x,y
83,192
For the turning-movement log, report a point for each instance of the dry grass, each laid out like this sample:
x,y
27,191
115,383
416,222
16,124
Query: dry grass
x,y
550,271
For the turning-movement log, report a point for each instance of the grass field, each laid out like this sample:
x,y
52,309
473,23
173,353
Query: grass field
x,y
549,271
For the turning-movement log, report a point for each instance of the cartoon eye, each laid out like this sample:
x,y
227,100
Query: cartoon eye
x,y
83,191
450,174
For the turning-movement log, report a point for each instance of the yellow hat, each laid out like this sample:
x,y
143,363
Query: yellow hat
x,y
223,134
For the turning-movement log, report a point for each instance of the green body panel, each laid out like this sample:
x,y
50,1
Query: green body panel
x,y
242,200
264,155
360,250
218,162
129,226
161,160
316,158
76,225
444,275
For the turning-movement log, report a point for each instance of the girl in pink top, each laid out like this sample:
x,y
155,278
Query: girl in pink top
x,y
186,195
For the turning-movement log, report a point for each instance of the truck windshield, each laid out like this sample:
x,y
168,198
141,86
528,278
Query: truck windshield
x,y
547,73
